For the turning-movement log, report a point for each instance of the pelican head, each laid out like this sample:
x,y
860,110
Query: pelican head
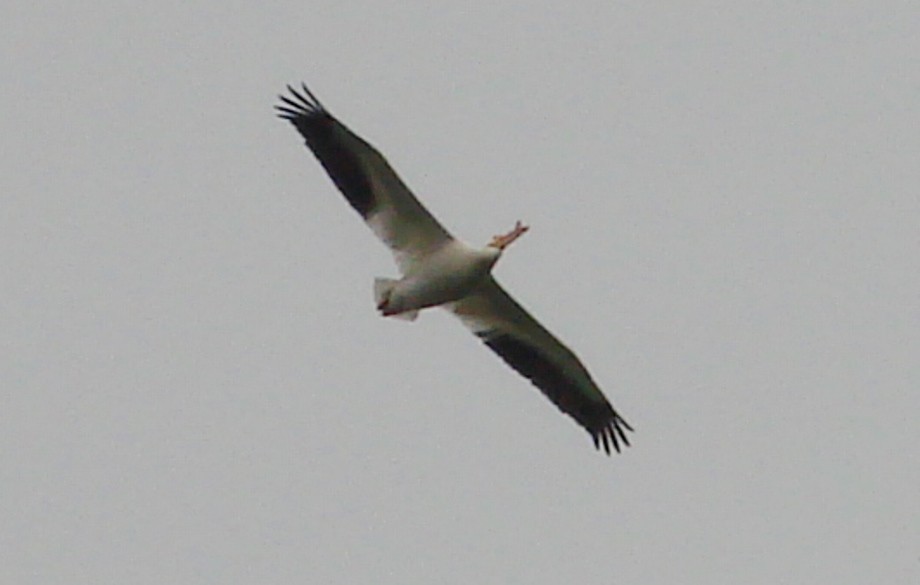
x,y
502,241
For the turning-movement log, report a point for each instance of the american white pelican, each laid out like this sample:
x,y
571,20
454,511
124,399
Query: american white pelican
x,y
439,270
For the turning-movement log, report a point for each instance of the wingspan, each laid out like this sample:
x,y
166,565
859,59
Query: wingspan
x,y
366,180
509,330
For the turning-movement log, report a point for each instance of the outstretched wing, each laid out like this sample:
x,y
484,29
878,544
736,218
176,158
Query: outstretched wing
x,y
529,348
368,182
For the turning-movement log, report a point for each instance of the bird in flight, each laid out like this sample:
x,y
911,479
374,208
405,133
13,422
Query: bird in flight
x,y
441,271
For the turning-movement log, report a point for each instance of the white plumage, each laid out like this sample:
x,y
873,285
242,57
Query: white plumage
x,y
439,270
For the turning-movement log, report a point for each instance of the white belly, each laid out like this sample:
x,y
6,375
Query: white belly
x,y
447,275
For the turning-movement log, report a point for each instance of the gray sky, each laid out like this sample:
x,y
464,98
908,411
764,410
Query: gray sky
x,y
725,227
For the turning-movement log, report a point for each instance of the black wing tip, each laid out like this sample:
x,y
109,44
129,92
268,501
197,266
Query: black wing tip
x,y
596,415
612,434
300,105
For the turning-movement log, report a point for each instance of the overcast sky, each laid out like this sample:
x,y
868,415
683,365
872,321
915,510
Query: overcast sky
x,y
725,227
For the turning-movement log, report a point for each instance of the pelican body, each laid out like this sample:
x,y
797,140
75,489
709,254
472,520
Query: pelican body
x,y
439,270
449,274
